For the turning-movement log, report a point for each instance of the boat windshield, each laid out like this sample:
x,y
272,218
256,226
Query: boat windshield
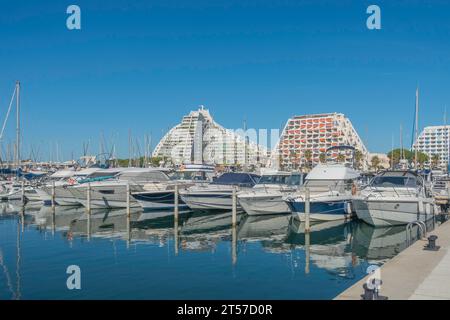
x,y
321,183
274,179
325,185
241,179
295,180
391,181
189,175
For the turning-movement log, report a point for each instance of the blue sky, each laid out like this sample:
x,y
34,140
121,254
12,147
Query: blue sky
x,y
142,65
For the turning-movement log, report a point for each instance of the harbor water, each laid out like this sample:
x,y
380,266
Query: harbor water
x,y
143,257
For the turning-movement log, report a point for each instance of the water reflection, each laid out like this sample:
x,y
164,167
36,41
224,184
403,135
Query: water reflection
x,y
339,249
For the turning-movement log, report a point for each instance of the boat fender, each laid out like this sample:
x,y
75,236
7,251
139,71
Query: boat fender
x,y
421,208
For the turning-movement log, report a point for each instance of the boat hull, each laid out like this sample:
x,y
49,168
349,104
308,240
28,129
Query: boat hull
x,y
108,197
393,212
160,200
209,201
264,205
63,195
322,210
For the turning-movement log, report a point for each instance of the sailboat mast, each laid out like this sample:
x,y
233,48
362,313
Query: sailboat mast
x,y
18,123
401,143
245,144
417,128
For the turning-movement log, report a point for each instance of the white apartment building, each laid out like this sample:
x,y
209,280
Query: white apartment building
x,y
199,139
435,140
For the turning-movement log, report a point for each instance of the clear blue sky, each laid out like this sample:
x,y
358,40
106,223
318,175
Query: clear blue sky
x,y
142,65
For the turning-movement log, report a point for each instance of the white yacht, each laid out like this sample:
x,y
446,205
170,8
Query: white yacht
x,y
112,193
395,198
10,190
330,187
64,181
266,197
218,194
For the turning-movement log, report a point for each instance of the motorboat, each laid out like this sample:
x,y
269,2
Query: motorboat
x,y
395,198
330,186
161,196
112,193
63,180
266,197
330,190
218,194
10,190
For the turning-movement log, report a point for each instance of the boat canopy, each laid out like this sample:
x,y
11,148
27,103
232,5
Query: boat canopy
x,y
332,172
241,179
62,174
285,178
143,176
398,179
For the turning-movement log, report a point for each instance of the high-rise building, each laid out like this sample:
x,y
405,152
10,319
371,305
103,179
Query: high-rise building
x,y
434,140
199,139
316,133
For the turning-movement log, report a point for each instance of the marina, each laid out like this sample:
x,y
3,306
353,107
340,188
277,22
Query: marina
x,y
224,150
200,224
195,233
141,257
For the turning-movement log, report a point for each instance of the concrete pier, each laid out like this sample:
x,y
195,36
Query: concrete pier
x,y
414,273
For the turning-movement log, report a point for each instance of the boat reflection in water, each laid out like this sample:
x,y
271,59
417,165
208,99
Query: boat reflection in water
x,y
327,246
377,245
194,254
104,223
270,230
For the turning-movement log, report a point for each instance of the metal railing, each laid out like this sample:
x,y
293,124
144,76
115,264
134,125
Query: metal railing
x,y
421,226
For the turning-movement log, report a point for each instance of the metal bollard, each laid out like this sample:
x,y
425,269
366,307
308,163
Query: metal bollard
x,y
371,294
431,246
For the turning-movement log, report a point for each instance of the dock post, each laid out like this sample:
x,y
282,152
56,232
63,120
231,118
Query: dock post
x,y
22,197
175,218
233,244
128,199
53,195
234,208
128,214
22,218
53,221
175,235
176,195
307,251
88,198
88,210
307,209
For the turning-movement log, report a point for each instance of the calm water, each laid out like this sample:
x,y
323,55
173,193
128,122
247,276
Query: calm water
x,y
140,258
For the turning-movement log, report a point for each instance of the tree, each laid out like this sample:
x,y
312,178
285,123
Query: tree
x,y
375,162
308,156
341,157
435,160
422,158
358,158
292,157
396,155
154,161
322,158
